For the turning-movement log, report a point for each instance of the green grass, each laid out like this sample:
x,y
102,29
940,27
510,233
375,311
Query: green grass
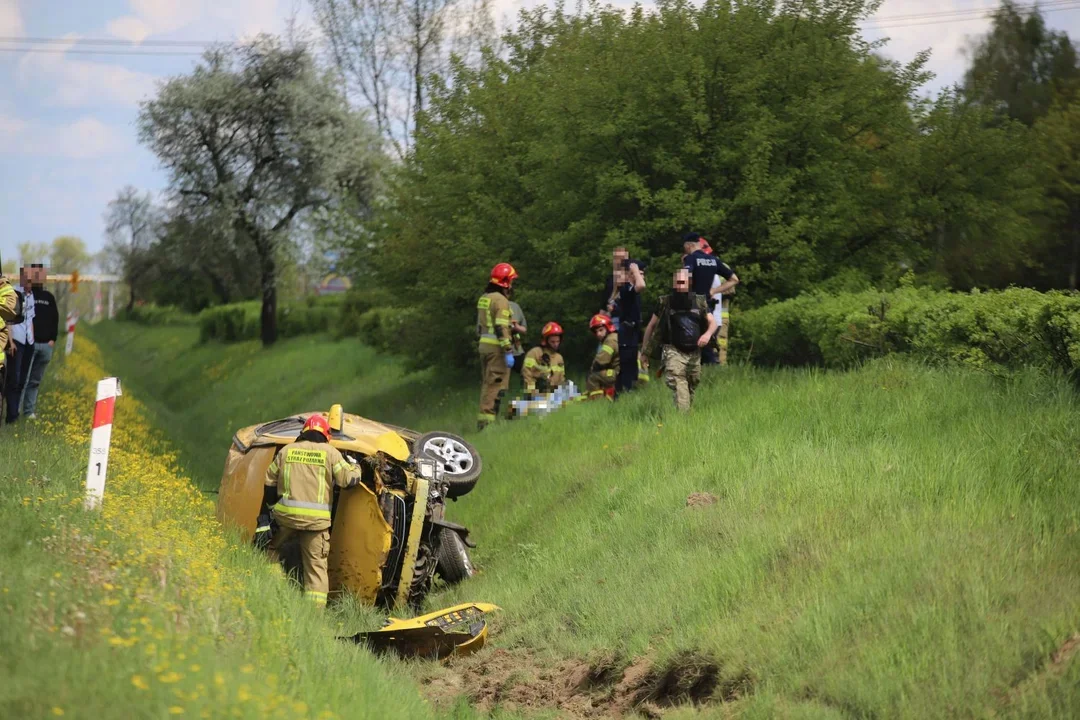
x,y
202,393
67,588
897,541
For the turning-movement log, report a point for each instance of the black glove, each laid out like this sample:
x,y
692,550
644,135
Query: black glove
x,y
264,532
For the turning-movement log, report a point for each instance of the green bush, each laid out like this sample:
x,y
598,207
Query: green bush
x,y
230,323
241,321
992,331
157,315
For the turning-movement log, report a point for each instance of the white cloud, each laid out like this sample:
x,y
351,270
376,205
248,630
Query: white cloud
x,y
11,24
76,83
84,139
238,18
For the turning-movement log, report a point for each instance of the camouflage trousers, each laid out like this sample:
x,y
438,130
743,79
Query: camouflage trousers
x,y
682,371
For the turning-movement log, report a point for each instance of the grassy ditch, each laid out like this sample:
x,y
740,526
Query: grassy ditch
x,y
895,541
146,609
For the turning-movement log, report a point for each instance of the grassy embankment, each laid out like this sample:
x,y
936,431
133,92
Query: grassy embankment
x,y
893,542
146,609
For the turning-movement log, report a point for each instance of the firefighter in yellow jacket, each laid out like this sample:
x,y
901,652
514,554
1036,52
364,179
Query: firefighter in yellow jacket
x,y
9,302
544,368
493,321
605,366
300,491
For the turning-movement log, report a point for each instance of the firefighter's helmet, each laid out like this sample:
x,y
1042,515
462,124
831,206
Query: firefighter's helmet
x,y
552,328
503,274
601,320
318,423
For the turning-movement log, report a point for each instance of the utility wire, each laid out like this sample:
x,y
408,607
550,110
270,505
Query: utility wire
x,y
106,46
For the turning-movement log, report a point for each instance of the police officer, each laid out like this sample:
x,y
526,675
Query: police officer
x,y
495,343
544,369
704,267
624,288
683,326
299,490
605,365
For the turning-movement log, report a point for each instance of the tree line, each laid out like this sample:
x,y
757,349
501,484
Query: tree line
x,y
427,150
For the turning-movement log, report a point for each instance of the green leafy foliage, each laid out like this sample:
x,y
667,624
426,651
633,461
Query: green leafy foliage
x,y
150,314
772,128
241,321
993,331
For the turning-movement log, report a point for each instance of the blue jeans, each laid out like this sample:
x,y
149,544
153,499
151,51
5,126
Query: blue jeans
x,y
43,353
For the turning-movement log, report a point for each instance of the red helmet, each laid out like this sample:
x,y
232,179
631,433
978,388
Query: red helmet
x,y
552,328
503,274
318,422
706,247
601,319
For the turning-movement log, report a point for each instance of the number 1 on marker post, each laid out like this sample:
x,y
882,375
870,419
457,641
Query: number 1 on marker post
x,y
100,436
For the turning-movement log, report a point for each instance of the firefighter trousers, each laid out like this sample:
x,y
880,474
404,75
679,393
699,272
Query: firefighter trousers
x,y
314,550
494,380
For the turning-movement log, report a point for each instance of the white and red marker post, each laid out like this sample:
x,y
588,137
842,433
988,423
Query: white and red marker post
x,y
71,320
107,392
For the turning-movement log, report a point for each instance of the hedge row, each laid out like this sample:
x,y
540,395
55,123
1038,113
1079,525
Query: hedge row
x,y
240,321
993,331
156,315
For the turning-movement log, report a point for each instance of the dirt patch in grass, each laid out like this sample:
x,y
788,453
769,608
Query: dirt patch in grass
x,y
606,686
700,499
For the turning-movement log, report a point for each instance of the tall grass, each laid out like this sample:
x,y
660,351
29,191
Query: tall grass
x,y
897,541
144,609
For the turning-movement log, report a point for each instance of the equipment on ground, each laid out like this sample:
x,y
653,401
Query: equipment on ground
x,y
546,403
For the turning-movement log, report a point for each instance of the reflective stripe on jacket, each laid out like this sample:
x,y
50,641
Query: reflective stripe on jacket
x,y
553,371
606,362
493,322
305,473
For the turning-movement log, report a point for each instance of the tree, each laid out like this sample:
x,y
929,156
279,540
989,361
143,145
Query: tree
x,y
68,254
387,49
255,138
1020,66
33,252
131,222
1059,133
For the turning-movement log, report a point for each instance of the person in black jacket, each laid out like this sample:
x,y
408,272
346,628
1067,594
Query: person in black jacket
x,y
623,292
46,328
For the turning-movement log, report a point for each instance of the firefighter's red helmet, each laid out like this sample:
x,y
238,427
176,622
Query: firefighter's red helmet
x,y
503,274
318,422
600,319
552,328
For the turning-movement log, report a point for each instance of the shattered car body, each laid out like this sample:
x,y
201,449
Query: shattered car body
x,y
389,536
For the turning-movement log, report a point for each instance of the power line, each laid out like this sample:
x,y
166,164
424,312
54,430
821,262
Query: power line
x,y
105,46
75,51
969,11
986,15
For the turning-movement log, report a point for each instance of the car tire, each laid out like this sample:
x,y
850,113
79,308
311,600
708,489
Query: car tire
x,y
460,462
454,563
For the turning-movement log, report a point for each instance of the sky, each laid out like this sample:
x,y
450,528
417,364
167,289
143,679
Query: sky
x,y
67,118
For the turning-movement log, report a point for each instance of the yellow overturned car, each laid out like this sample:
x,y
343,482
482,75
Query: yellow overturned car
x,y
389,537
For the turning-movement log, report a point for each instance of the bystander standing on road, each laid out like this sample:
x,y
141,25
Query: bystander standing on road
x,y
22,334
623,291
46,324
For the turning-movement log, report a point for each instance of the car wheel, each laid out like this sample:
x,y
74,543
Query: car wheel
x,y
454,562
460,462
